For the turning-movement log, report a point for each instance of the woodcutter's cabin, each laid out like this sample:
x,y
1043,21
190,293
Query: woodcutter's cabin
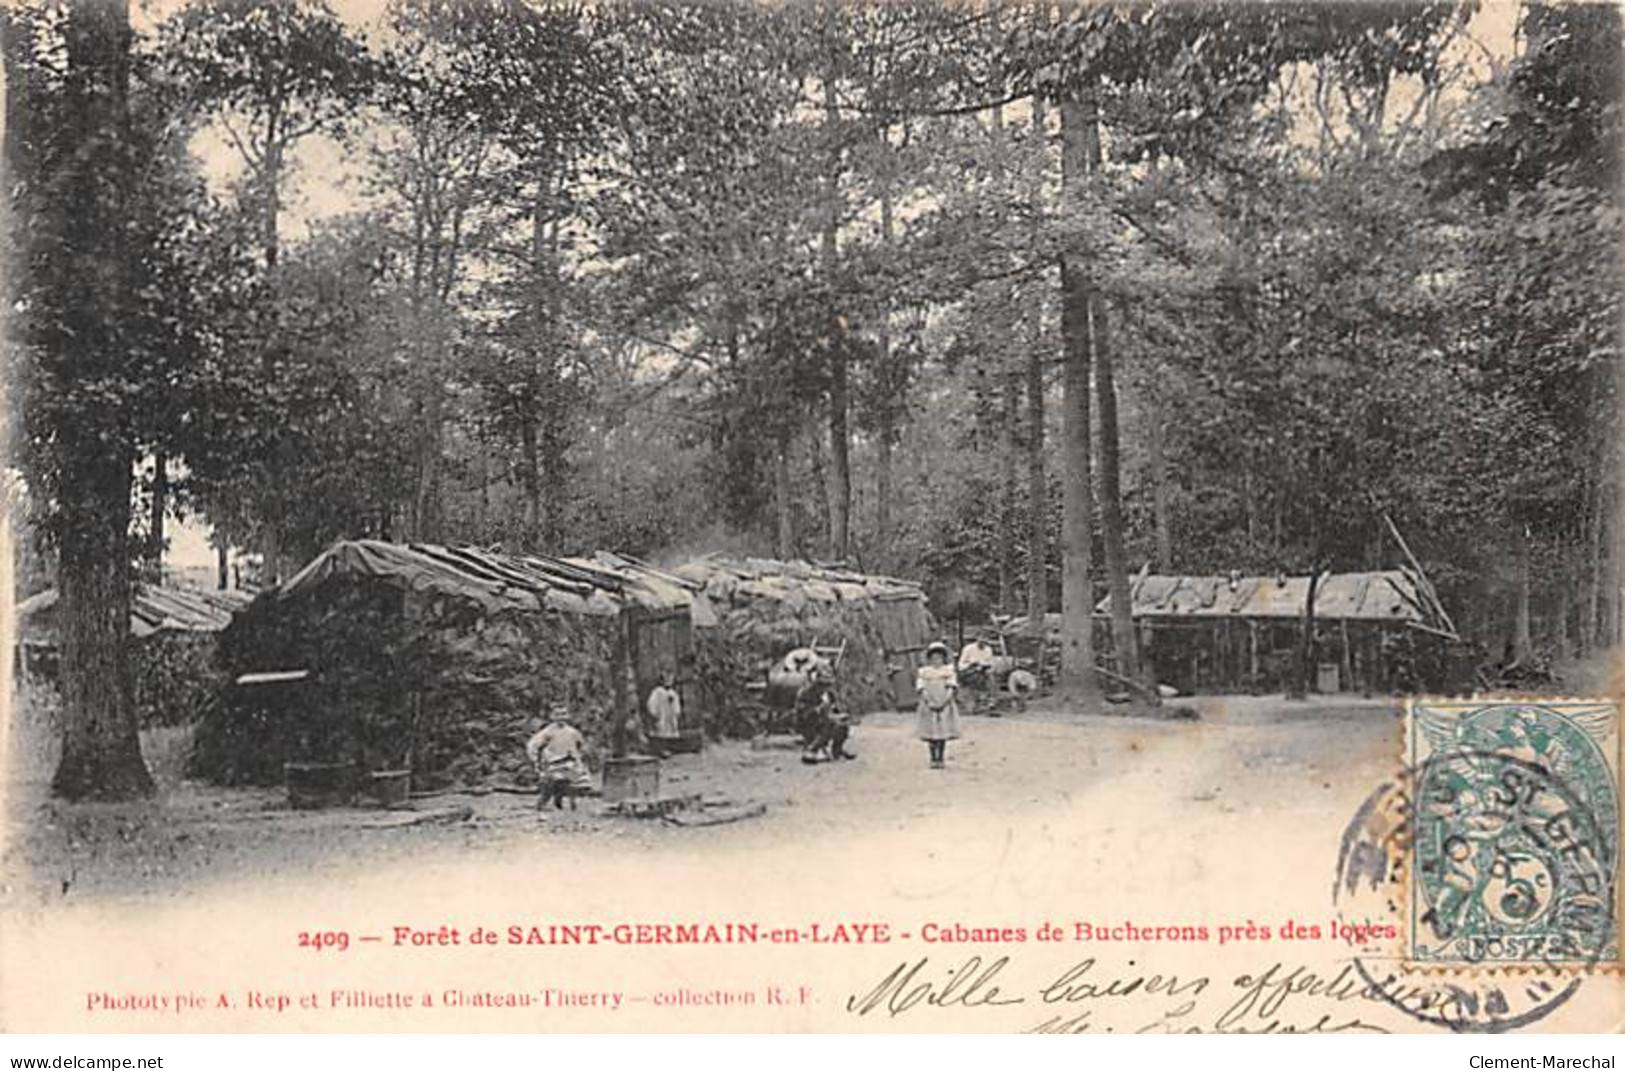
x,y
1374,632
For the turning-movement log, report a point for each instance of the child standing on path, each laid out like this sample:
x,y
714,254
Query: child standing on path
x,y
556,752
937,685
665,708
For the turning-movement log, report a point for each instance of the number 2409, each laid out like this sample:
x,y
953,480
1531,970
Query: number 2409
x,y
337,940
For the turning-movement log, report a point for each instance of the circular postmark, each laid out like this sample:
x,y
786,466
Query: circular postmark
x,y
1483,858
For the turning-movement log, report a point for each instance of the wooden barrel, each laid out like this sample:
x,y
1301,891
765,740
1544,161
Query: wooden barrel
x,y
389,788
687,743
630,778
319,784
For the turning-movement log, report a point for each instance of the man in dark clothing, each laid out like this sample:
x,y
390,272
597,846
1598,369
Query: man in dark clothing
x,y
824,729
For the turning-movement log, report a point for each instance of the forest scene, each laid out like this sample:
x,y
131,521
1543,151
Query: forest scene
x,y
1015,300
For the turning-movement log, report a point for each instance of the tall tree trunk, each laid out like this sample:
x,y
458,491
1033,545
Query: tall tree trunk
x,y
883,493
558,411
813,439
271,175
530,483
1037,480
1077,589
1158,441
427,358
273,498
427,505
885,405
784,533
1124,641
1278,504
840,456
533,427
1159,484
1609,625
482,505
1523,646
1590,628
222,564
271,552
1010,399
840,475
1249,499
1561,638
159,508
1604,536
1010,446
1037,495
1304,679
554,454
101,744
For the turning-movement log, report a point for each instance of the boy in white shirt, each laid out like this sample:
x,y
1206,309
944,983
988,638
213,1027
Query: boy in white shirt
x,y
556,750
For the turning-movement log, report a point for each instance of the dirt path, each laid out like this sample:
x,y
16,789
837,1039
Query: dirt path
x,y
1245,757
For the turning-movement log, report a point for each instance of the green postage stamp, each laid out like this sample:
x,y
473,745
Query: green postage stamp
x,y
1514,848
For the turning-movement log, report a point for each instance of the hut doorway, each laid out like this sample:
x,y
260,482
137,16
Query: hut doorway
x,y
662,640
904,631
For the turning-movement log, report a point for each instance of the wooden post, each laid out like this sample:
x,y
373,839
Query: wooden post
x,y
1215,667
1347,683
1233,648
1252,638
620,657
409,758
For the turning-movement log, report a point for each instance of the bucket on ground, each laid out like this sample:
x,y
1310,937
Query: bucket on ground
x,y
632,777
389,788
686,743
319,784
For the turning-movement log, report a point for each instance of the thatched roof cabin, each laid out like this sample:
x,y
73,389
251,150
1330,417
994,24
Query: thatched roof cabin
x,y
766,607
441,658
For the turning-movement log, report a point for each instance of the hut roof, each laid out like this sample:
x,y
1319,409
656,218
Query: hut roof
x,y
674,587
153,609
765,578
1392,595
495,581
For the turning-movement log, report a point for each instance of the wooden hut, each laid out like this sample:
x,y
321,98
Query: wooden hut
x,y
174,634
1375,632
764,608
440,659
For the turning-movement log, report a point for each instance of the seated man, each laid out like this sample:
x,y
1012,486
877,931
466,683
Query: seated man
x,y
838,730
976,661
824,728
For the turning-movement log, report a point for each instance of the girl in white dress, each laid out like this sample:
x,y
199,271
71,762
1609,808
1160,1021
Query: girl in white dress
x,y
937,685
